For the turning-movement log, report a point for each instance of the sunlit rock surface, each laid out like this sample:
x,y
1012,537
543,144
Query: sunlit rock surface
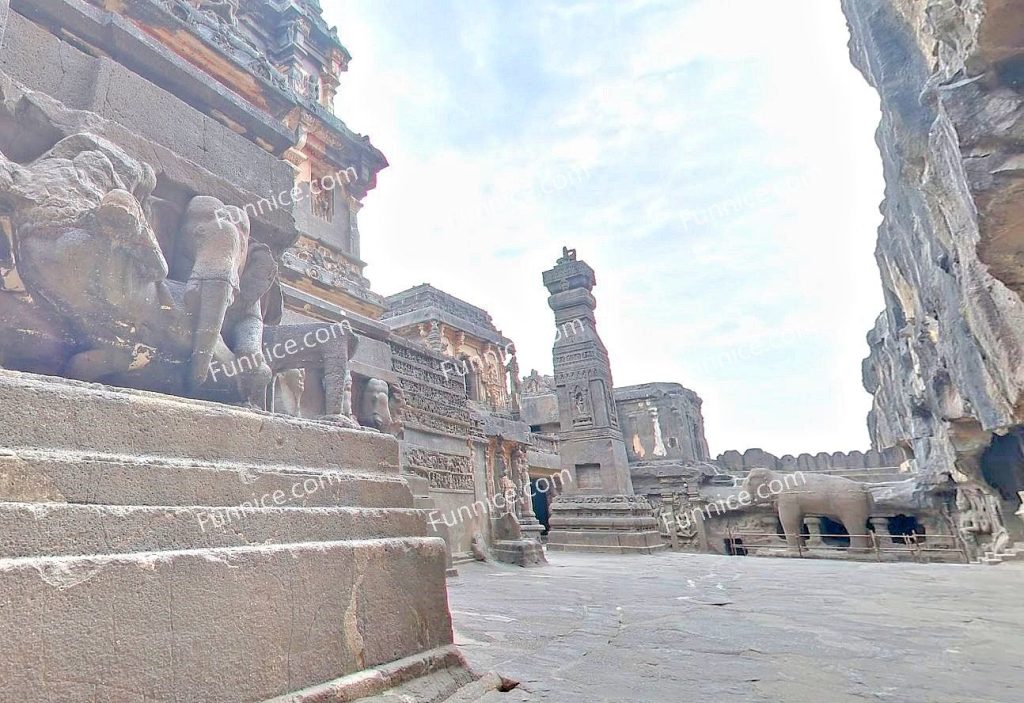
x,y
945,355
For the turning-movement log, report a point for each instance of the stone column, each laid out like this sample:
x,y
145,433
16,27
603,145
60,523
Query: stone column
x,y
529,523
673,530
882,536
598,510
814,532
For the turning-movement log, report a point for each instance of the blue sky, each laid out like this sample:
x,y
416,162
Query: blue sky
x,y
713,160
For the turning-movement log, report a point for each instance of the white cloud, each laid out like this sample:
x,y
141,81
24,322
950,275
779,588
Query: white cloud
x,y
713,161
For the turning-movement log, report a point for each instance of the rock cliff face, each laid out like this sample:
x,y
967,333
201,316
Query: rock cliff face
x,y
945,363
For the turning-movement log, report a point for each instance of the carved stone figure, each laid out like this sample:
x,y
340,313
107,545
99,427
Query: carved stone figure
x,y
478,546
398,405
800,494
288,392
86,252
980,521
327,346
535,384
224,9
507,526
213,246
375,408
514,380
84,246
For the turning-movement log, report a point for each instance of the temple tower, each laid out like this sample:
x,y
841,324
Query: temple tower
x,y
597,510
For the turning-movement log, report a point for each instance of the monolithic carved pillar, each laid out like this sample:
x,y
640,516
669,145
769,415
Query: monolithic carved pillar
x,y
814,531
599,510
882,536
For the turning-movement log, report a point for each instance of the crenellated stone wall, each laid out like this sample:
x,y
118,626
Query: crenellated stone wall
x,y
854,464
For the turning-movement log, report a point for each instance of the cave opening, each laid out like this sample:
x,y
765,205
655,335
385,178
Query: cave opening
x,y
905,529
833,533
1002,467
734,547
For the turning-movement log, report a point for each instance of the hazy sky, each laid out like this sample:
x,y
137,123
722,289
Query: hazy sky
x,y
713,160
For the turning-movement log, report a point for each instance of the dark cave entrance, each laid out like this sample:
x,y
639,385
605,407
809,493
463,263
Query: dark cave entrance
x,y
540,503
905,529
1002,467
781,532
833,533
734,547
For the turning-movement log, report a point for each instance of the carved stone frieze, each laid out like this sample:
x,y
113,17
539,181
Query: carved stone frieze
x,y
322,265
446,471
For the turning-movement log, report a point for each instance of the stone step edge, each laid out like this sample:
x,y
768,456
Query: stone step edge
x,y
45,508
387,472
10,378
219,554
366,685
32,529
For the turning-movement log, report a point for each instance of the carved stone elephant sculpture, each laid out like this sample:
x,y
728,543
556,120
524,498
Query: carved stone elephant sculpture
x,y
85,250
801,494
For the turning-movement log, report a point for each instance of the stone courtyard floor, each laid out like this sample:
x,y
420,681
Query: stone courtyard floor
x,y
683,627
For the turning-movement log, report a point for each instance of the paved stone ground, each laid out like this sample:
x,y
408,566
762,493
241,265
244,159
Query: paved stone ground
x,y
683,627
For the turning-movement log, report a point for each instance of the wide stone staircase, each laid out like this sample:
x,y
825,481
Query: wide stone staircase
x,y
153,548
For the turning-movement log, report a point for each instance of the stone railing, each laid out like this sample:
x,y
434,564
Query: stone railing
x,y
547,444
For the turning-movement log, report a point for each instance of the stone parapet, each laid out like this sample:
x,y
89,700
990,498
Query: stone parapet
x,y
622,524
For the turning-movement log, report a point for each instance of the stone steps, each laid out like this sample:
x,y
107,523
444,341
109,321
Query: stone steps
x,y
90,418
1013,553
226,625
56,529
130,570
119,479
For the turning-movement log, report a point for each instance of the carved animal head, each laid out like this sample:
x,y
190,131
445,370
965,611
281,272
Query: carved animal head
x,y
375,410
122,225
106,162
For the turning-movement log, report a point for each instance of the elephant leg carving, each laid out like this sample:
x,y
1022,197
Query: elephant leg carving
x,y
338,380
856,526
792,519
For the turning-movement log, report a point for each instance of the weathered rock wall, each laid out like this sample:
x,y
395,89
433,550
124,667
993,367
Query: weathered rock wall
x,y
945,355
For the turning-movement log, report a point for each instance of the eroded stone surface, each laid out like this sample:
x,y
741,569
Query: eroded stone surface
x,y
743,630
944,366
